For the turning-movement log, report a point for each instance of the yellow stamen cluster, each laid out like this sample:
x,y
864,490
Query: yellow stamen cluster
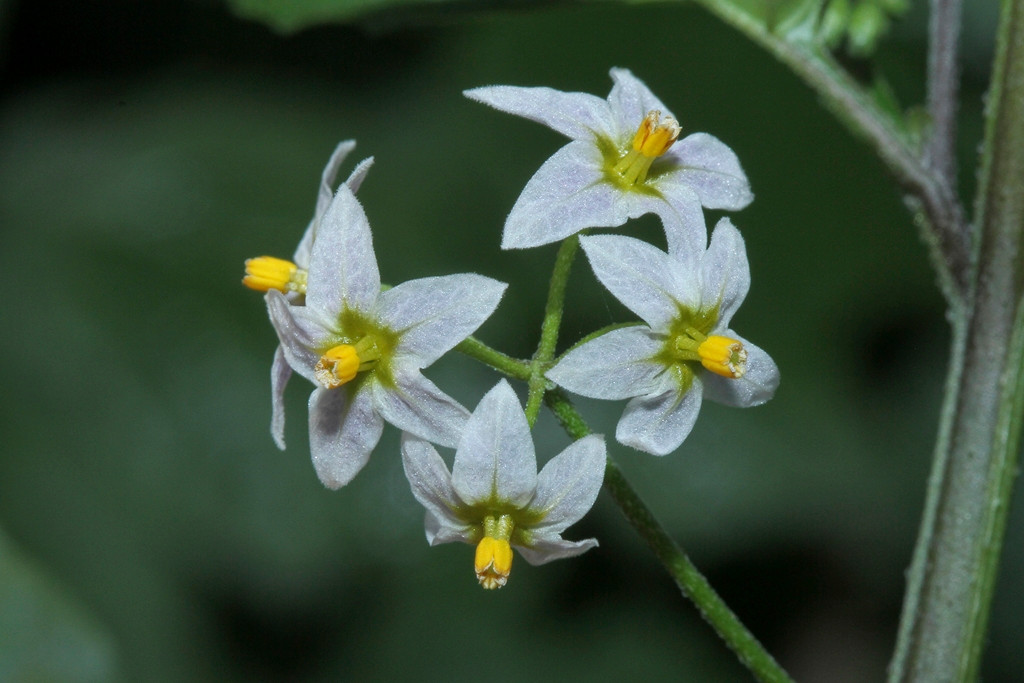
x,y
721,355
493,562
653,138
266,272
340,365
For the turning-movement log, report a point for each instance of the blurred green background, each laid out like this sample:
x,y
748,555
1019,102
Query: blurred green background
x,y
150,530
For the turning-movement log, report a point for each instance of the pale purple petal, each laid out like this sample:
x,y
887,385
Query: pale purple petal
x,y
567,194
725,271
659,424
300,333
546,549
681,217
432,486
568,485
358,175
495,460
434,314
324,194
576,115
711,169
614,366
756,386
415,404
344,428
343,268
280,373
444,530
647,280
630,100
330,174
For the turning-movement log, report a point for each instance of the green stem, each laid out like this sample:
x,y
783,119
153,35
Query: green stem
x,y
538,384
687,577
513,367
941,217
956,561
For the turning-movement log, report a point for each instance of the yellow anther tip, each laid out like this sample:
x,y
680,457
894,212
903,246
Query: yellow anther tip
x,y
654,136
723,356
337,366
267,272
493,562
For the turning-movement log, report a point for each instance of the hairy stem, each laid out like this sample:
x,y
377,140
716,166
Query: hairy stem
x,y
550,327
687,577
950,585
930,195
943,87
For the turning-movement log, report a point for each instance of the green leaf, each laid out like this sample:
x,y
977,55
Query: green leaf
x,y
288,16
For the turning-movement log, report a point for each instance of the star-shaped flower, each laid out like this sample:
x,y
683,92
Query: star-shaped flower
x,y
624,161
493,496
267,272
364,348
685,352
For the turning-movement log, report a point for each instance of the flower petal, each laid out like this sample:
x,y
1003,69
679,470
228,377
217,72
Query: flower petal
x,y
647,280
681,217
299,333
613,366
344,428
415,404
554,548
568,485
725,271
444,531
574,114
495,460
280,373
434,314
658,424
567,194
711,169
756,386
630,100
323,198
432,486
358,175
343,268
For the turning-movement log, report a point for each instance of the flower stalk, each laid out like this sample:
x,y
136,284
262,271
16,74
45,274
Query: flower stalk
x,y
687,577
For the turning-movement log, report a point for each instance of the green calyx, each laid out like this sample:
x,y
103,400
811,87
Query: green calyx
x,y
678,353
357,329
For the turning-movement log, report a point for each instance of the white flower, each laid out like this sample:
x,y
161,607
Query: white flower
x,y
686,351
623,161
267,272
364,348
493,496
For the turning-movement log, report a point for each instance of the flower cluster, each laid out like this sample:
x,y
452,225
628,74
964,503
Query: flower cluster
x,y
363,345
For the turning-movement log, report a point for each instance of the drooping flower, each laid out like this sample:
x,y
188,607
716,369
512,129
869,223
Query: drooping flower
x,y
268,272
624,161
686,352
493,496
364,348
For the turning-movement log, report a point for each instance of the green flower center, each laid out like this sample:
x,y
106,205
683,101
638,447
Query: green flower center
x,y
630,168
689,344
362,347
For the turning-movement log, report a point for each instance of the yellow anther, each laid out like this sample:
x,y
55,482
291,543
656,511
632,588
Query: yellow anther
x,y
340,364
723,356
493,562
266,272
654,136
652,139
